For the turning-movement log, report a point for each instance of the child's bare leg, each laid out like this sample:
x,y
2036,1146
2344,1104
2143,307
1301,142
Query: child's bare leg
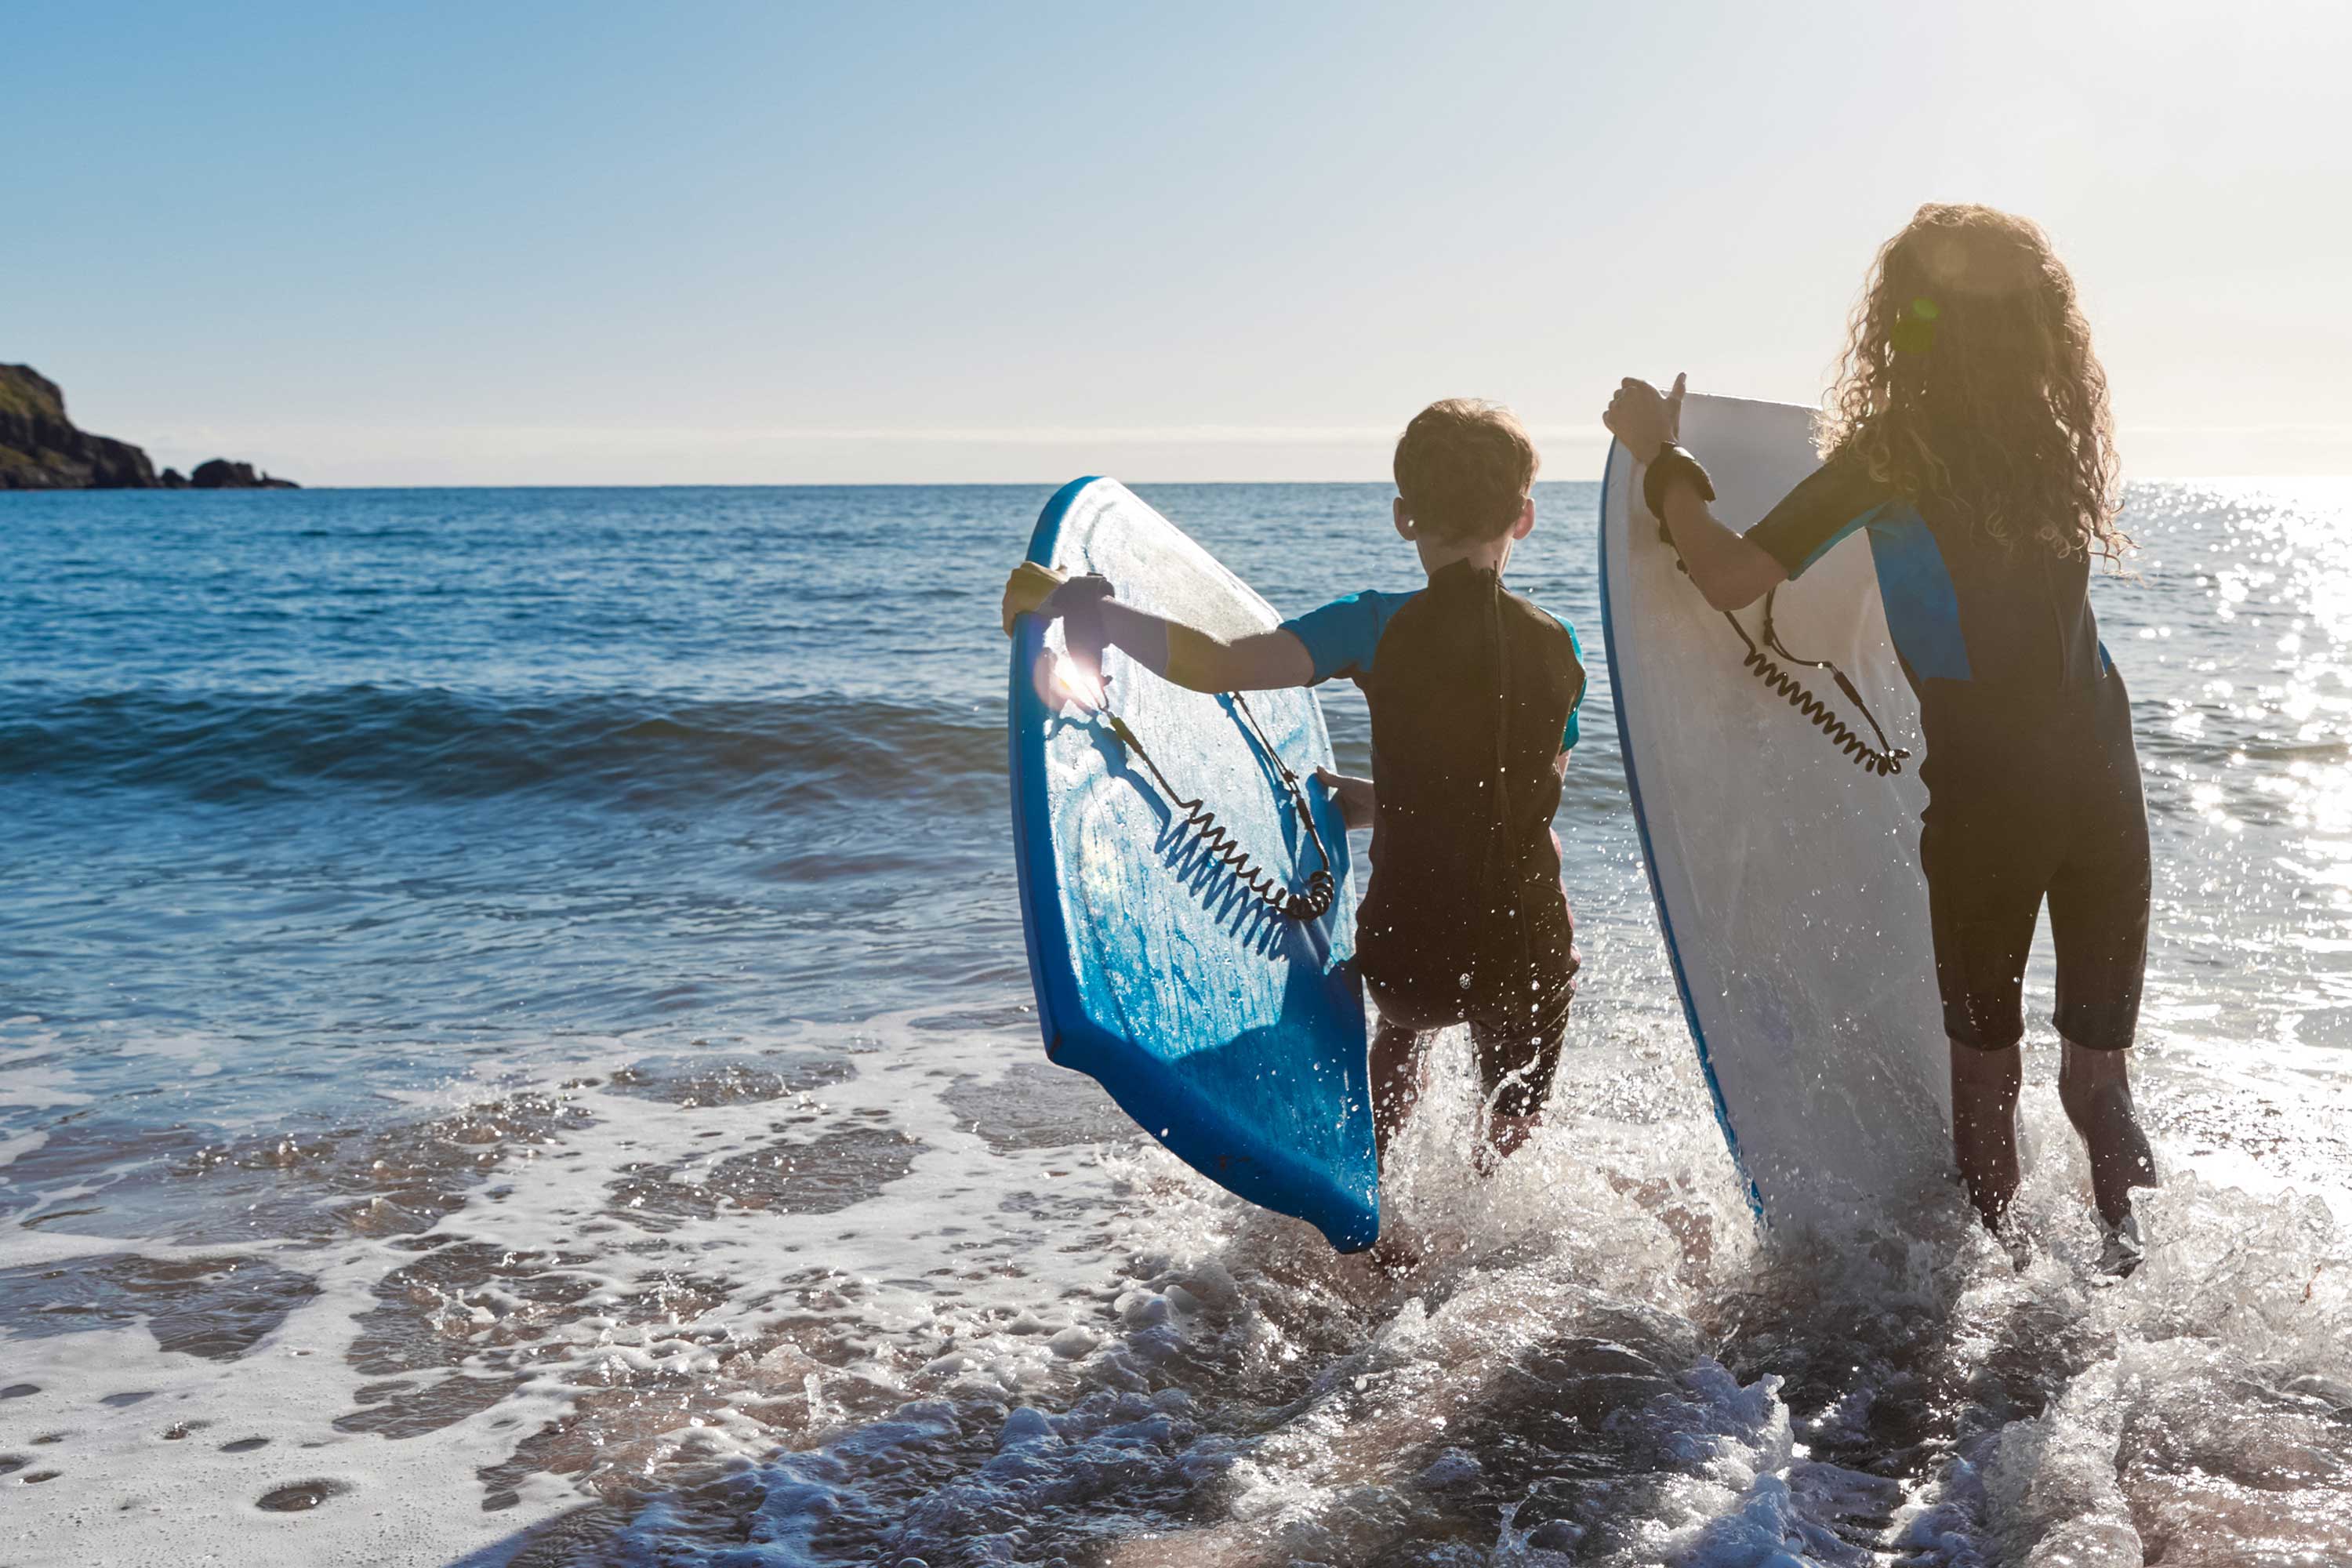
x,y
1984,1125
1399,1067
1505,1134
2095,1089
1517,1070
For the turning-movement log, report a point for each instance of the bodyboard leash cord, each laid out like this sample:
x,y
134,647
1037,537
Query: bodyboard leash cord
x,y
1217,840
1885,759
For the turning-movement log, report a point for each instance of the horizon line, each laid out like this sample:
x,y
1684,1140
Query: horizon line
x,y
299,487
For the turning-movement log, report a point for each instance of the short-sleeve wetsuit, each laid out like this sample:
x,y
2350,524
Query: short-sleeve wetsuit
x,y
2033,785
1474,693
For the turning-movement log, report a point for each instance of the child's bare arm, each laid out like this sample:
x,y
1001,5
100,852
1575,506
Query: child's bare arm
x,y
1728,568
1185,655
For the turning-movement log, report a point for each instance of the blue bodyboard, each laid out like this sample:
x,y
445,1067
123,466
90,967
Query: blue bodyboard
x,y
1230,1033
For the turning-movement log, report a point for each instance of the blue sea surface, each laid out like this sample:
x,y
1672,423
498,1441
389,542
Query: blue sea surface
x,y
369,853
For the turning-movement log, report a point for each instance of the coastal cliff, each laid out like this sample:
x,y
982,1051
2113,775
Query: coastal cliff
x,y
42,449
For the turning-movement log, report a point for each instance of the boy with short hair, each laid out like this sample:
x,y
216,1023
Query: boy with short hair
x,y
1473,694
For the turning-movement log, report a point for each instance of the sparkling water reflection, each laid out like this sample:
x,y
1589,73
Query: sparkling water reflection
x,y
515,1046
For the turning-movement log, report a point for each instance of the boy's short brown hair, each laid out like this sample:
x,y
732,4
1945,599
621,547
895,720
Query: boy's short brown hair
x,y
1465,467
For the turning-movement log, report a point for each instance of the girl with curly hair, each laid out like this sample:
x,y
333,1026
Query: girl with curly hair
x,y
1970,432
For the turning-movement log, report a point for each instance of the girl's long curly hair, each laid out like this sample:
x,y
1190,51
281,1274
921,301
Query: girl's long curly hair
x,y
1969,382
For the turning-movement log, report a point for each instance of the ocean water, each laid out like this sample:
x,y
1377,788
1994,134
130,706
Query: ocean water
x,y
515,1046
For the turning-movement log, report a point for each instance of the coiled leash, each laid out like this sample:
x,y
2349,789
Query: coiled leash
x,y
1267,889
1884,759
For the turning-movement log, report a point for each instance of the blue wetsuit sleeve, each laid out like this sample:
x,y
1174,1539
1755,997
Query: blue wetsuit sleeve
x,y
1341,637
1575,731
1828,504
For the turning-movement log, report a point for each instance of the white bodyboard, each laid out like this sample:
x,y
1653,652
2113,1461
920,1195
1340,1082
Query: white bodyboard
x,y
1787,877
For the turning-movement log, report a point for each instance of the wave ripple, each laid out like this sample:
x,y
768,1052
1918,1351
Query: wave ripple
x,y
434,742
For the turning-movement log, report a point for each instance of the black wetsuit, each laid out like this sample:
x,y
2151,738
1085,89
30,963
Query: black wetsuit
x,y
2033,786
1474,693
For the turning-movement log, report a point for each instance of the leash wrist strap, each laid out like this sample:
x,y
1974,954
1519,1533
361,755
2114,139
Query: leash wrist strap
x,y
1673,463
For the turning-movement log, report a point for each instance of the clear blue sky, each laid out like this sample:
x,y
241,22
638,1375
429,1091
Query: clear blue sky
x,y
764,242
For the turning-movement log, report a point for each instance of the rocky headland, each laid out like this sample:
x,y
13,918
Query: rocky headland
x,y
41,449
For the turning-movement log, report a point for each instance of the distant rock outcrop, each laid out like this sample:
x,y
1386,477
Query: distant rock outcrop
x,y
41,449
220,474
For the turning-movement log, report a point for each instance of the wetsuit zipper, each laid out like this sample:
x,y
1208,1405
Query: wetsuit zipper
x,y
2058,629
